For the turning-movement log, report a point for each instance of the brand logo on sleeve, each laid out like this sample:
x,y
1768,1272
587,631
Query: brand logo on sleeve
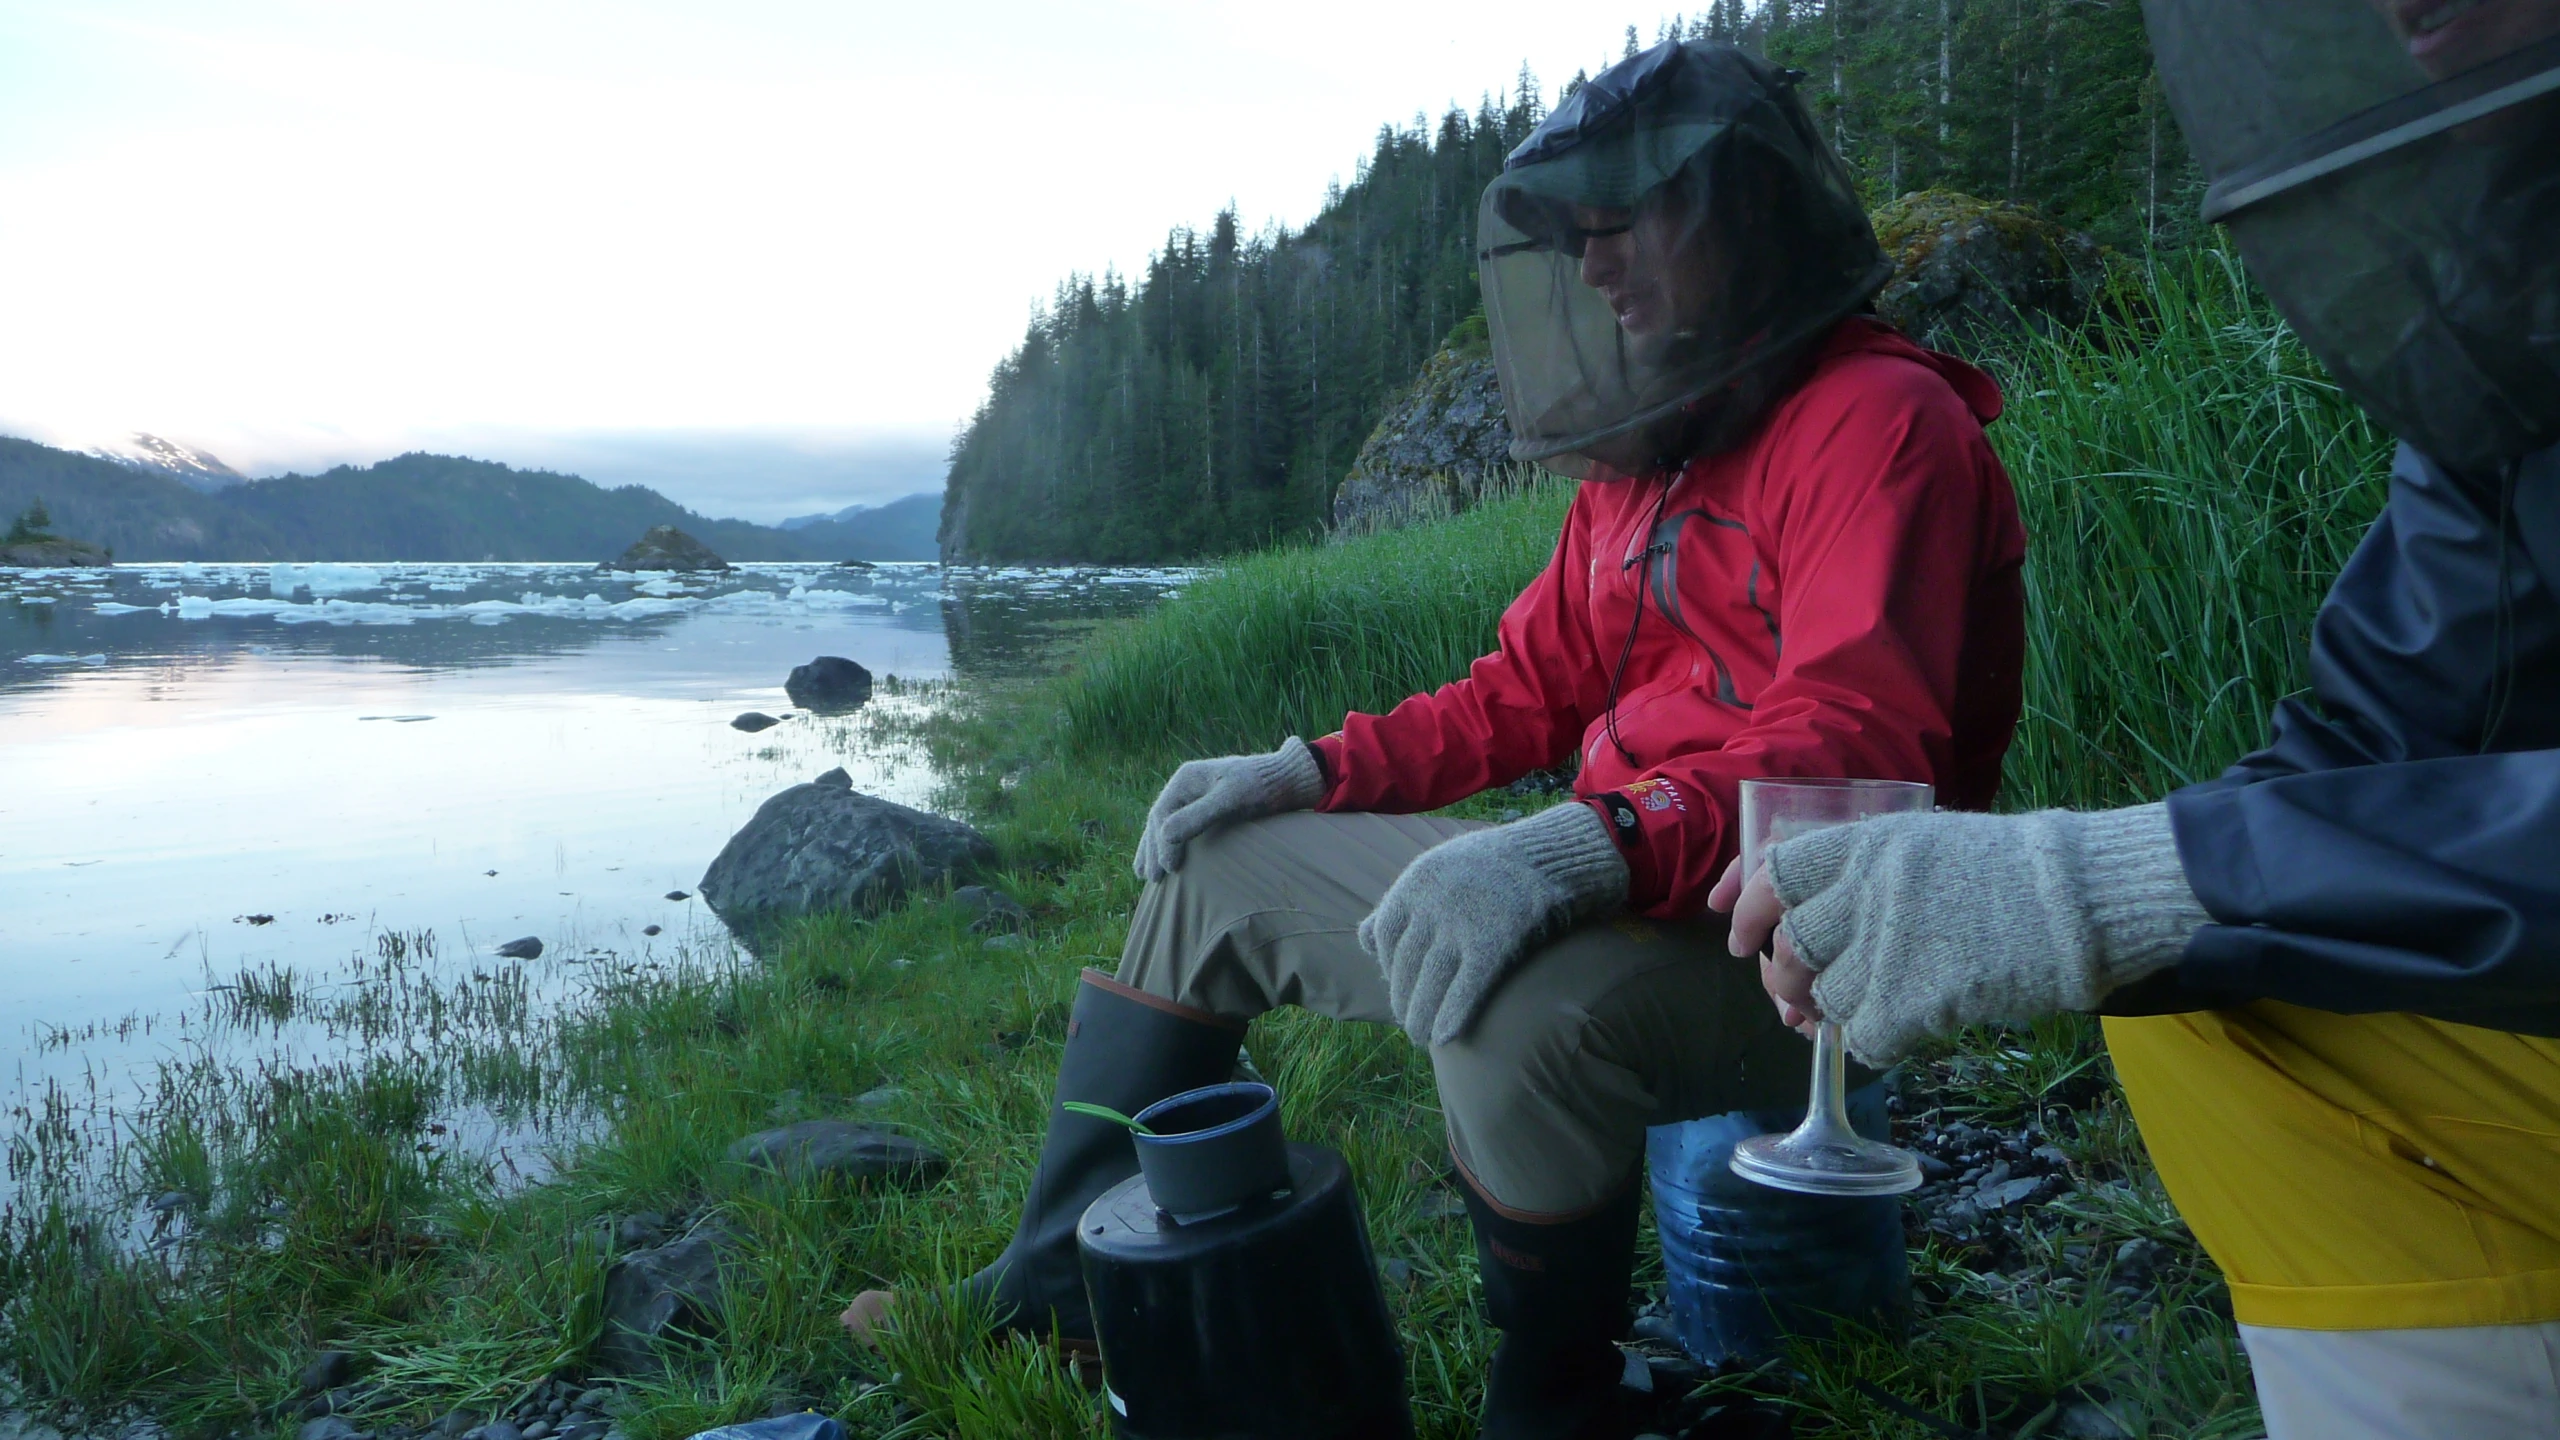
x,y
1658,794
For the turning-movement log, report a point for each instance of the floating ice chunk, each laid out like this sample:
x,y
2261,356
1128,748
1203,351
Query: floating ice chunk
x,y
191,571
62,659
322,579
38,599
112,607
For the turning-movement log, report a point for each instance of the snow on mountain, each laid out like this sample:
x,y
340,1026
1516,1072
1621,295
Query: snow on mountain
x,y
190,467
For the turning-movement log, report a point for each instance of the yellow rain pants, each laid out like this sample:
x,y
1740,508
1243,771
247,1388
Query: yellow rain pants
x,y
2357,1172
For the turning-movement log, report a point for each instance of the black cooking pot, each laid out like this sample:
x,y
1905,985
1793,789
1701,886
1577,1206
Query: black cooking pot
x,y
1262,1323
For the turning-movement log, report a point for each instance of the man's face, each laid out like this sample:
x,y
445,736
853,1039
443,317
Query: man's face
x,y
1643,266
2447,37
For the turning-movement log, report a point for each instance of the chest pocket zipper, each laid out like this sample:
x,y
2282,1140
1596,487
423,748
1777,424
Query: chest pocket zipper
x,y
1661,560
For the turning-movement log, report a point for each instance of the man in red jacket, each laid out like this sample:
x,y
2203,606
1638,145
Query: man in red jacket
x,y
1794,553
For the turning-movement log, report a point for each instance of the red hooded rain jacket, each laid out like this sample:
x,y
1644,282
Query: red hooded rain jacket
x,y
1838,597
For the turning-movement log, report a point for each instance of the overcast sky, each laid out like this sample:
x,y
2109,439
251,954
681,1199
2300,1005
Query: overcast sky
x,y
295,234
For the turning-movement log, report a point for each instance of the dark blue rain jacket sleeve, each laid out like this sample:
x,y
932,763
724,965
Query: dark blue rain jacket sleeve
x,y
2397,846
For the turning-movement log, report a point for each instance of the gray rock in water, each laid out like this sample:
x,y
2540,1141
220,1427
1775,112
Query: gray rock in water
x,y
828,685
842,1147
753,721
528,947
667,548
654,1296
825,846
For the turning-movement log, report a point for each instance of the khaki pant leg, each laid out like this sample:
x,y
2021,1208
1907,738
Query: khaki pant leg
x,y
1619,1025
1267,913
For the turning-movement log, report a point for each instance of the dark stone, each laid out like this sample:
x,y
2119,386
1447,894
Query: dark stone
x,y
453,1424
753,721
500,1430
641,1230
828,685
990,909
841,1147
679,895
855,565
538,1430
667,548
654,1296
650,929
327,1371
525,948
824,846
1970,275
328,1427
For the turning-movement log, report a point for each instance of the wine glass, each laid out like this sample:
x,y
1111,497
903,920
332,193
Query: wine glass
x,y
1822,1156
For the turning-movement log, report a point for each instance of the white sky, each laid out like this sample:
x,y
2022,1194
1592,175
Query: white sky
x,y
301,233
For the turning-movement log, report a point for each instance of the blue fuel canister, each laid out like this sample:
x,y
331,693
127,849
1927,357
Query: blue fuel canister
x,y
1749,1266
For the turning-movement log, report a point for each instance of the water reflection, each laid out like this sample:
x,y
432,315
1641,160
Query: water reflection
x,y
218,779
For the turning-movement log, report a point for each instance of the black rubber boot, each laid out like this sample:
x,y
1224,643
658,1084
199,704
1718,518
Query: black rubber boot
x,y
1558,1293
1125,1049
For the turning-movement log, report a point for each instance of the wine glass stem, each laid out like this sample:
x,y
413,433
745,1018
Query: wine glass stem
x,y
1830,1100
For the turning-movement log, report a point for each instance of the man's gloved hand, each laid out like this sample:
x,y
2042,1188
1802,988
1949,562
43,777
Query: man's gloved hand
x,y
1919,925
1205,794
1465,911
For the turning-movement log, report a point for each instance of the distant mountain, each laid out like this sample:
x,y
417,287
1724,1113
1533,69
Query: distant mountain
x,y
188,466
803,522
905,525
413,507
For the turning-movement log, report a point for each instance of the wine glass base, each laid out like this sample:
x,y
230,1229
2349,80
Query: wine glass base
x,y
1856,1166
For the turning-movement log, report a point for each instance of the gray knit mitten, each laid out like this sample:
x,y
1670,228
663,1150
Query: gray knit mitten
x,y
1205,794
1466,910
1920,925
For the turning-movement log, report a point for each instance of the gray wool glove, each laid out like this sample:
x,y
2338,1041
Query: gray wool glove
x,y
1466,910
1919,925
1205,794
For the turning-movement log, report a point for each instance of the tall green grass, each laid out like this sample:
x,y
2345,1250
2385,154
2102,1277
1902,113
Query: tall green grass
x,y
2190,483
1287,641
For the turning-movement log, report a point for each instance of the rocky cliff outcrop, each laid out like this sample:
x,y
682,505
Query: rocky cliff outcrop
x,y
1969,276
1442,442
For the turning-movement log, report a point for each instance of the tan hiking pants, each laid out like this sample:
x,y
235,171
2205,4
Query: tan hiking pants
x,y
1618,1025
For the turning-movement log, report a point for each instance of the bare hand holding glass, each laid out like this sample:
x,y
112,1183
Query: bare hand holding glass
x,y
1823,1156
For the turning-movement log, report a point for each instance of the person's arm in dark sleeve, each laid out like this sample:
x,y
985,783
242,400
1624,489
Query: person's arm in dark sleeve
x,y
2397,846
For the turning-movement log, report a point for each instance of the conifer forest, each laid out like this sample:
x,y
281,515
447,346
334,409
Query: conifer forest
x,y
1212,403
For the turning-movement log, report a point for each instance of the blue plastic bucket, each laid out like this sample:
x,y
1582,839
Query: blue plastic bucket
x,y
1749,1266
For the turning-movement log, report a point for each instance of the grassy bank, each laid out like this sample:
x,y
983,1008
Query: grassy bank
x,y
2190,486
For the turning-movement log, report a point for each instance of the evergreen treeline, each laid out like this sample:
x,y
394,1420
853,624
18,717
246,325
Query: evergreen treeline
x,y
1213,403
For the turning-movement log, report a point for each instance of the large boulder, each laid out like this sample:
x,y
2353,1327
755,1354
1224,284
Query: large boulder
x,y
667,548
826,846
1971,275
1441,444
828,685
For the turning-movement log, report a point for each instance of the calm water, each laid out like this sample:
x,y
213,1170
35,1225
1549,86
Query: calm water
x,y
215,772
